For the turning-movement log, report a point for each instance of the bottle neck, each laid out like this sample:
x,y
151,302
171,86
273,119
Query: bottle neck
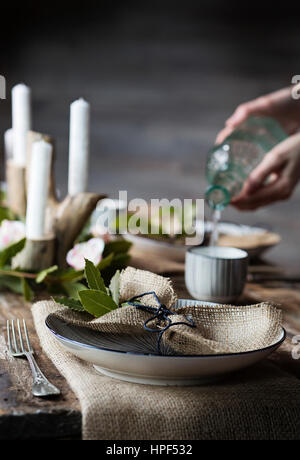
x,y
218,197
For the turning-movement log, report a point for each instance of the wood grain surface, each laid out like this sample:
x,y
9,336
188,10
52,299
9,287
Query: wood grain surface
x,y
24,417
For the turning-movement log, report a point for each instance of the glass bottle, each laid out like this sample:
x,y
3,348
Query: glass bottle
x,y
230,163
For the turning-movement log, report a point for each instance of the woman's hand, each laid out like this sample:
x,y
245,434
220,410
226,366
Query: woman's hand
x,y
279,105
282,166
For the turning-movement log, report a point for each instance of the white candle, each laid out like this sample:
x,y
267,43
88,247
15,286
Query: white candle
x,y
79,147
8,144
21,122
38,189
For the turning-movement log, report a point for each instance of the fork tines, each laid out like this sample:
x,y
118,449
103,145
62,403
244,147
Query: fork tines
x,y
16,346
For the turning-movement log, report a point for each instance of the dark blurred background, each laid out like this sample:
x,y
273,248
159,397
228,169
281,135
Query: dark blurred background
x,y
161,77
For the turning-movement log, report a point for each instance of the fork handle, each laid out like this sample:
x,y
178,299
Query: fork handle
x,y
41,386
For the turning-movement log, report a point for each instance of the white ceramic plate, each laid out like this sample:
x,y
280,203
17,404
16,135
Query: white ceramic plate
x,y
134,360
177,252
241,237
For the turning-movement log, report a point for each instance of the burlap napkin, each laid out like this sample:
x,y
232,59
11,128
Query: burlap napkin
x,y
202,330
257,403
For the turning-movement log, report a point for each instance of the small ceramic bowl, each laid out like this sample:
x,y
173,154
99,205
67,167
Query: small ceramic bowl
x,y
216,274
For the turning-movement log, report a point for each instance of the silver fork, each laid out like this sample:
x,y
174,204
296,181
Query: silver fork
x,y
41,386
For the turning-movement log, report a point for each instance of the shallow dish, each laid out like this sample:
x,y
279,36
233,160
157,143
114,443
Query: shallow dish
x,y
134,360
254,240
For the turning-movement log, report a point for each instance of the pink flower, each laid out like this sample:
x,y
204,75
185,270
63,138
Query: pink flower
x,y
91,250
11,231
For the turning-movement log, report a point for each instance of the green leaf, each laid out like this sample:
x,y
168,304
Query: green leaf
x,y
97,303
44,273
27,291
93,277
69,275
11,283
114,287
55,289
10,251
73,289
105,262
70,303
2,196
120,260
5,213
117,247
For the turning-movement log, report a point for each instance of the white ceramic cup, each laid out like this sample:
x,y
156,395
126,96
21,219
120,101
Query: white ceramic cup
x,y
216,274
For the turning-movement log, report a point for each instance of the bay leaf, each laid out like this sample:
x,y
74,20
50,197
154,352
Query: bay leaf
x,y
97,303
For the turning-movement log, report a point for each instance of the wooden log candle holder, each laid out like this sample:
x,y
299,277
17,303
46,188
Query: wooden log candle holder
x,y
51,226
36,255
64,220
17,177
71,216
16,188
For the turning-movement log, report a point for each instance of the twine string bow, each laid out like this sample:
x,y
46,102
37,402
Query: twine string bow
x,y
160,314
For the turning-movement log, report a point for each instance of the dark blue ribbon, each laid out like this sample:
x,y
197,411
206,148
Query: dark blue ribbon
x,y
160,314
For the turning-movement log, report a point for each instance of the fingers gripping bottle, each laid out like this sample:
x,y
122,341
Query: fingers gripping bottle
x,y
230,163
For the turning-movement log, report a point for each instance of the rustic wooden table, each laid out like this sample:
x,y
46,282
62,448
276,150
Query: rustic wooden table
x,y
24,417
